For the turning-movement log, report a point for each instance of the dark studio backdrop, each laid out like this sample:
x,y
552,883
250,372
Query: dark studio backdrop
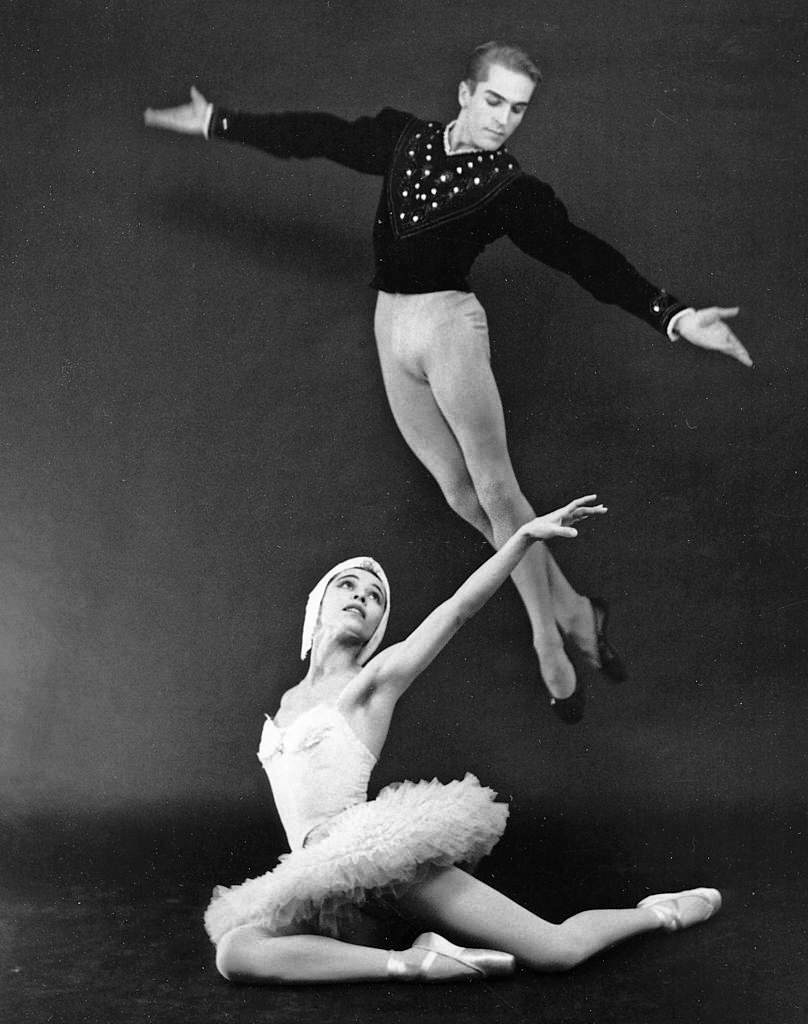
x,y
193,428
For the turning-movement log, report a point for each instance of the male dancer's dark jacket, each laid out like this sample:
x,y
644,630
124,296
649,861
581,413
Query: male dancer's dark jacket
x,y
439,209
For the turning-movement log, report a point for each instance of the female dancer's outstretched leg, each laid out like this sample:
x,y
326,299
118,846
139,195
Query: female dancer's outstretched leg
x,y
251,955
469,911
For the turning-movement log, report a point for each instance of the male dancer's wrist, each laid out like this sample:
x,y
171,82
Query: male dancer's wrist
x,y
663,308
208,118
672,329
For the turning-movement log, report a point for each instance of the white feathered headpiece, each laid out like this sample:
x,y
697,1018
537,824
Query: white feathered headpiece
x,y
316,599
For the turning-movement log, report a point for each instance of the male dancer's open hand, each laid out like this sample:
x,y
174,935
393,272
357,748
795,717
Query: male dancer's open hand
x,y
706,328
190,119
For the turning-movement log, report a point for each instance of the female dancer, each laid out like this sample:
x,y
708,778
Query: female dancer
x,y
302,921
448,192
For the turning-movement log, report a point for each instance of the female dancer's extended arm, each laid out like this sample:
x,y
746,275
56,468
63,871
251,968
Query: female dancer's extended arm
x,y
396,668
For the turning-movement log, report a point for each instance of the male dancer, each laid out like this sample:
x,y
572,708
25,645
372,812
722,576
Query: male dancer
x,y
449,191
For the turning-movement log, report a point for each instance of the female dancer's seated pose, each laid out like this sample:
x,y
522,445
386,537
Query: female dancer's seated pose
x,y
302,922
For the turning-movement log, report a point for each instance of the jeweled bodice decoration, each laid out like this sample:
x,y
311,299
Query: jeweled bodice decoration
x,y
428,186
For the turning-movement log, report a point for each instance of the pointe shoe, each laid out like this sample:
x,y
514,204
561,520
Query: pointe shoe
x,y
489,963
401,969
432,967
701,906
610,663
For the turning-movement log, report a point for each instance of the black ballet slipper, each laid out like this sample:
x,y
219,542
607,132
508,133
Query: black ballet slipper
x,y
611,665
571,709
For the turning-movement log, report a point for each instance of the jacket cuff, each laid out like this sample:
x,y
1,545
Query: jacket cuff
x,y
218,123
663,308
671,330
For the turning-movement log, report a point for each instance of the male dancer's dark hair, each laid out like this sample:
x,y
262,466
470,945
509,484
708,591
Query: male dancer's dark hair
x,y
511,57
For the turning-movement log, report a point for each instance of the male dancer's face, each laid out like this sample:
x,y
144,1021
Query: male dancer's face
x,y
493,109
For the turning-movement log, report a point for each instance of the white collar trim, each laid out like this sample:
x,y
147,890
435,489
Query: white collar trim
x,y
447,146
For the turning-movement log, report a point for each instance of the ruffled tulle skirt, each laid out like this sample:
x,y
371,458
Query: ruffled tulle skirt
x,y
374,849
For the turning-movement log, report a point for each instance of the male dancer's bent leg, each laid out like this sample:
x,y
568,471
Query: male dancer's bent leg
x,y
437,374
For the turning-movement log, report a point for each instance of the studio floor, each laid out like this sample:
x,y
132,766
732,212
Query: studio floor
x,y
109,925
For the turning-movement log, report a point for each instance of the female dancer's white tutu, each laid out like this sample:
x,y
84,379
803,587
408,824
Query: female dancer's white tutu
x,y
371,849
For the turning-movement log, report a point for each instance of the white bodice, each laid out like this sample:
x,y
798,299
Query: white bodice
x,y
317,767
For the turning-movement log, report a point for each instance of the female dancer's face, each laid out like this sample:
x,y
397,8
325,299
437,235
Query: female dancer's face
x,y
354,600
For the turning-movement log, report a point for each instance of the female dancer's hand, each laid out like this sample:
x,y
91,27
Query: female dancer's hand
x,y
190,119
559,523
391,672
